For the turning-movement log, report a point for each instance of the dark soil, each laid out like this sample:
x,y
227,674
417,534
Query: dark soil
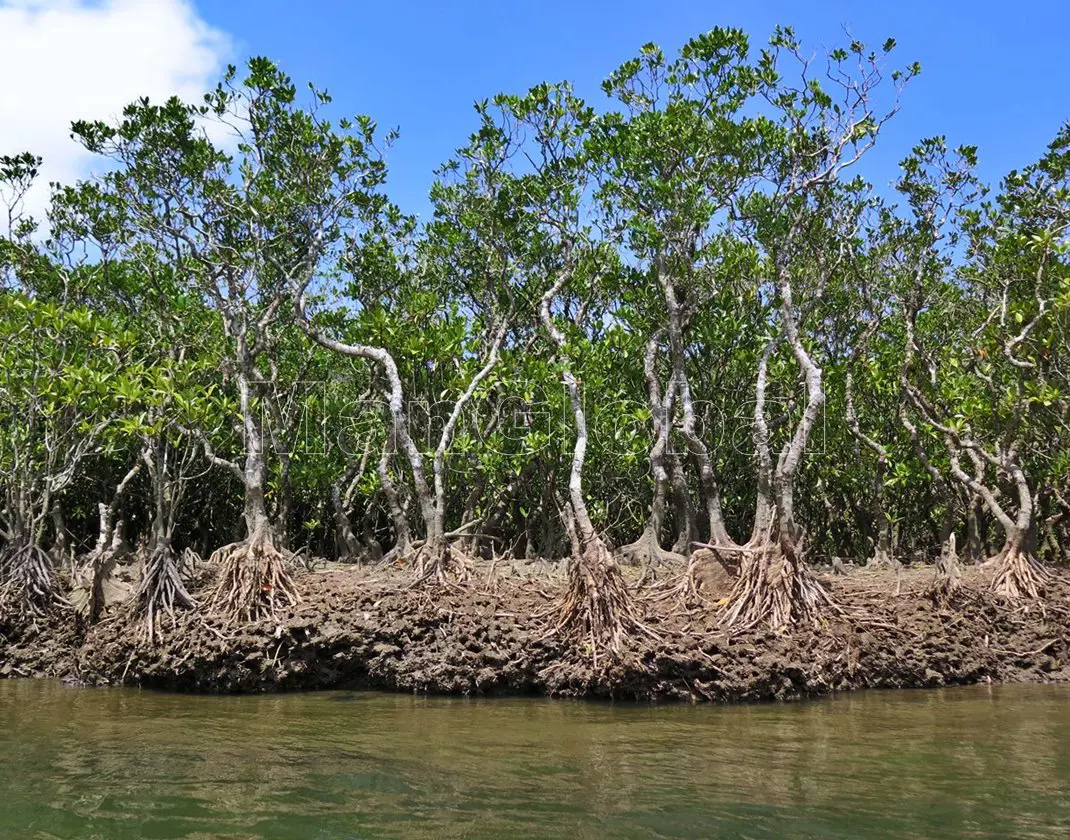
x,y
364,629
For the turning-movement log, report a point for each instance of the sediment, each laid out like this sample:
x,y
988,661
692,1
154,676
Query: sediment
x,y
357,629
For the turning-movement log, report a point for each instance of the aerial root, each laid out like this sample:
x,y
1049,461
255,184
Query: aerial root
x,y
596,606
442,565
253,581
28,582
1018,574
883,560
685,589
775,587
161,589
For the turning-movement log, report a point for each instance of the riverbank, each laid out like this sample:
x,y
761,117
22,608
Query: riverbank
x,y
364,629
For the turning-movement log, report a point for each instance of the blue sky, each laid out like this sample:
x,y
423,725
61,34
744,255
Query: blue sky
x,y
993,74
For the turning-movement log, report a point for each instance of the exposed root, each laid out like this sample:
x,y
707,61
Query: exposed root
x,y
1018,574
947,577
775,587
704,581
190,561
596,606
161,589
253,580
441,565
647,553
883,560
28,584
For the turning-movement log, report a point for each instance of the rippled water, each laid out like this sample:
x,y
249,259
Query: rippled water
x,y
119,763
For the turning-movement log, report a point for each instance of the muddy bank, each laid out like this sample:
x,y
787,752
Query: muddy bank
x,y
355,629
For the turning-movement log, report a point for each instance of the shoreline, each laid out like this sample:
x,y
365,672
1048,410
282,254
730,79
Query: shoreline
x,y
358,629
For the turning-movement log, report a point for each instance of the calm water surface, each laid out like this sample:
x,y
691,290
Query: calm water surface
x,y
119,763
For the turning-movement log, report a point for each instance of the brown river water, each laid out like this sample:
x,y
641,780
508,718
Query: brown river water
x,y
121,763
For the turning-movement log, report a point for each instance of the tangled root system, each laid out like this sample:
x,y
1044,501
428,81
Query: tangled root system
x,y
597,607
161,590
775,587
253,580
947,576
28,583
1018,574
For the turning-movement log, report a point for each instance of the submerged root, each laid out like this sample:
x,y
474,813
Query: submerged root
x,y
253,580
29,585
1018,575
775,587
161,589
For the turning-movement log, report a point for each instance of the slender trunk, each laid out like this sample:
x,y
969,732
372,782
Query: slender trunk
x,y
61,550
660,413
766,503
646,550
255,472
975,545
400,519
284,512
346,544
437,532
792,453
711,490
687,532
597,604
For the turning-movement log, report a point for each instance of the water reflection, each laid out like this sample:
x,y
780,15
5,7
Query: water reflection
x,y
113,763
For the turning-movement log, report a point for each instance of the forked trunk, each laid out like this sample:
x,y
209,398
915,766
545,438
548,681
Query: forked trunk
x,y
161,589
775,586
346,544
1017,573
646,551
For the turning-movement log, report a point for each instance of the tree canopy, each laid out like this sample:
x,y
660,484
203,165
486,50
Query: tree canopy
x,y
681,321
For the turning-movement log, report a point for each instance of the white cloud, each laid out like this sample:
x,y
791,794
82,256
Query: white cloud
x,y
62,60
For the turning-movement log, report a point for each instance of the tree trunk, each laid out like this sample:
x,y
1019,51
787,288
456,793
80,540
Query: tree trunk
x,y
687,533
398,516
597,605
161,589
765,507
1017,573
61,551
647,551
253,580
775,586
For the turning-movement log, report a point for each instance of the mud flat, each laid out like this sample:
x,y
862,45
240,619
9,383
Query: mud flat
x,y
364,629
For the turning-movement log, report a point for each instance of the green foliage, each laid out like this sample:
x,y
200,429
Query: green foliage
x,y
156,303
